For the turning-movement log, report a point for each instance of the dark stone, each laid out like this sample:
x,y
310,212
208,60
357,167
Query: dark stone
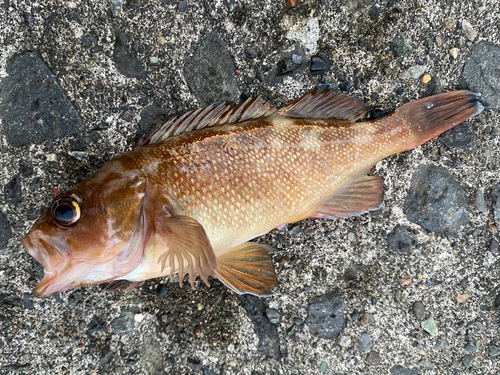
x,y
210,70
12,191
354,271
400,370
461,136
364,342
373,359
86,41
126,60
125,323
263,328
494,246
400,47
250,52
5,231
151,355
286,66
28,303
470,348
194,365
419,310
344,86
95,325
106,356
183,6
481,72
436,201
400,239
399,91
32,105
318,66
232,5
326,316
374,13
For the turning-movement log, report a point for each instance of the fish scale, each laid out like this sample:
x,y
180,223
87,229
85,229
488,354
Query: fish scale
x,y
189,197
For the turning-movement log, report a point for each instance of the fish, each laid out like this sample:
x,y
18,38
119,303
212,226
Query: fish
x,y
188,198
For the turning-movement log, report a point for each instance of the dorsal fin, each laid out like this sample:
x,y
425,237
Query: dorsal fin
x,y
324,103
213,115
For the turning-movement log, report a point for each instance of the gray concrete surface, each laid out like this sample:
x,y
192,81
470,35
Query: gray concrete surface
x,y
80,80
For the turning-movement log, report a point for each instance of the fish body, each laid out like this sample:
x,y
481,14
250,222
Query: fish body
x,y
192,194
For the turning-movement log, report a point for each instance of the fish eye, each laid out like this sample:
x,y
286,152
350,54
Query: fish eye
x,y
66,211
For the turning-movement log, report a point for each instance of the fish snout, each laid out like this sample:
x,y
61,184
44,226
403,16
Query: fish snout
x,y
49,254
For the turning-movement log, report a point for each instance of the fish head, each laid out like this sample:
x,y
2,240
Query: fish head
x,y
91,233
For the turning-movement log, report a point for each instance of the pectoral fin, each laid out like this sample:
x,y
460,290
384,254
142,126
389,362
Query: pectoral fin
x,y
123,285
359,196
247,268
187,247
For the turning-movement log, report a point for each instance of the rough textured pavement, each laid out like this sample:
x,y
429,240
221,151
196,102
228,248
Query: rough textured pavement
x,y
413,288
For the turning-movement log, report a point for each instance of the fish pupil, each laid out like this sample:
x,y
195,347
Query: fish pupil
x,y
64,212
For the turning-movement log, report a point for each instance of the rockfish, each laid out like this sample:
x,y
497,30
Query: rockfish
x,y
190,196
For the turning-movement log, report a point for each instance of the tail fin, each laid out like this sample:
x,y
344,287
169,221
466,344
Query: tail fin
x,y
431,116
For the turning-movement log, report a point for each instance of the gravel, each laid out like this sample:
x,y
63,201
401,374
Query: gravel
x,y
98,91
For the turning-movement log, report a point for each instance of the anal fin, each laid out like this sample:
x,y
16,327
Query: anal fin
x,y
247,268
359,196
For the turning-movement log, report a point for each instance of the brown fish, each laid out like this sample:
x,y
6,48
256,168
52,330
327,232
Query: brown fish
x,y
189,197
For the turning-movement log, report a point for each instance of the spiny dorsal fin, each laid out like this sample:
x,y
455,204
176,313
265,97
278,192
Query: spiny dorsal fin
x,y
324,103
213,115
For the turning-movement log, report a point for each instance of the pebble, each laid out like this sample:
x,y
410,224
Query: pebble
x,y
322,367
419,310
297,59
430,326
355,315
318,65
250,52
12,190
199,306
161,290
470,348
426,78
493,350
153,60
345,341
467,360
351,236
373,359
139,317
374,13
364,342
453,52
469,32
442,343
404,281
461,297
400,239
273,315
295,231
79,155
28,303
116,7
414,72
367,319
494,246
480,201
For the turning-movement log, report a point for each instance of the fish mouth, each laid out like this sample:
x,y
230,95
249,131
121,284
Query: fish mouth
x,y
55,266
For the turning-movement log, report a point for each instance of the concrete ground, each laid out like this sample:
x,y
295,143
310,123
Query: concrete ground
x,y
410,289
